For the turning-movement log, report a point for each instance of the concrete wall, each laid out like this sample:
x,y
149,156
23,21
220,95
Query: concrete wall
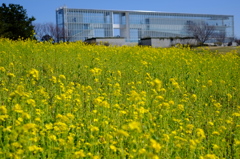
x,y
106,41
111,41
167,42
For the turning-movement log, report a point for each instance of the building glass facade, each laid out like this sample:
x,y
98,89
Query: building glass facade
x,y
82,24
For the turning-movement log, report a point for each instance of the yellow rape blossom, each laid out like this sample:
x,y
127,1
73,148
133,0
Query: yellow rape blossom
x,y
94,128
193,98
3,117
79,154
180,107
134,96
3,109
200,133
155,145
49,126
34,74
134,126
11,75
96,71
157,84
122,132
53,79
31,102
2,69
62,77
112,147
35,149
209,156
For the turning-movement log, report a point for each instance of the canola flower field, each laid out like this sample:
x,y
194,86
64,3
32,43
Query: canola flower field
x,y
72,100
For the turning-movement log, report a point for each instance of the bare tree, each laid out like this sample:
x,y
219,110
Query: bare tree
x,y
39,30
50,30
200,31
62,34
220,37
237,40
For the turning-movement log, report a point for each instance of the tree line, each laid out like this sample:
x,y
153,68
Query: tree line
x,y
15,24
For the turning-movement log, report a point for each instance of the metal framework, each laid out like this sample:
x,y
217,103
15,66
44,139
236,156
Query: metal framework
x,y
82,24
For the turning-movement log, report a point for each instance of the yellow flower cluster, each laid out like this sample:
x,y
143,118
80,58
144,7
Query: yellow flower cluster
x,y
71,100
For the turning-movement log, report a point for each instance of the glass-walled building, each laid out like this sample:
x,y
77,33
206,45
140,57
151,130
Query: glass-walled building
x,y
82,24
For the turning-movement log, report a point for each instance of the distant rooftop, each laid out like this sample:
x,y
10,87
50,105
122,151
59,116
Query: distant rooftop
x,y
145,11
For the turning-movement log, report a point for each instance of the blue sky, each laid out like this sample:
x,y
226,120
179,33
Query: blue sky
x,y
44,10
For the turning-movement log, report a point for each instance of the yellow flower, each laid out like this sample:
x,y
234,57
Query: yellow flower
x,y
112,147
142,110
34,74
152,156
237,142
134,126
236,114
193,98
35,149
210,123
31,102
70,116
215,133
209,156
2,69
37,119
94,128
171,102
217,105
200,133
119,73
157,84
20,90
165,105
96,71
189,128
142,151
180,107
193,144
62,77
176,85
229,97
155,145
160,98
49,126
209,82
53,79
53,137
98,100
26,115
10,75
215,147
7,129
60,126
122,132
79,154
16,145
166,137
3,109
134,96
20,152
29,126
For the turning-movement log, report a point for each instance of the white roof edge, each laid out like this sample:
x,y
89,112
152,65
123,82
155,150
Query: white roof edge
x,y
144,11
